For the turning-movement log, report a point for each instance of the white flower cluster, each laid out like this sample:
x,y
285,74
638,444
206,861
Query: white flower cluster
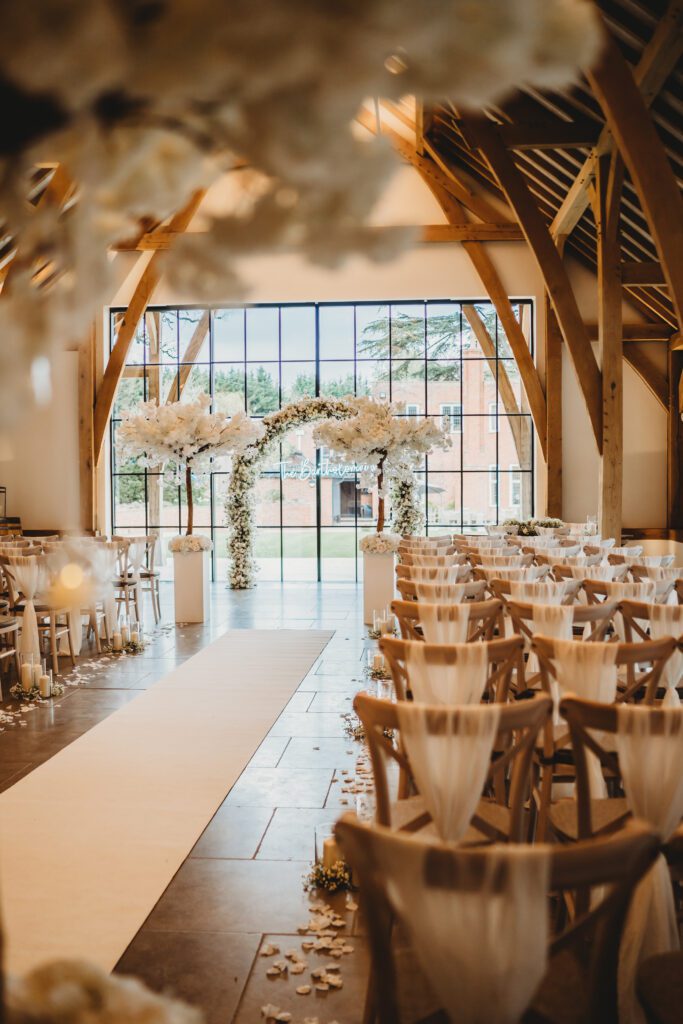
x,y
141,105
186,545
381,436
407,515
380,543
246,466
76,992
183,433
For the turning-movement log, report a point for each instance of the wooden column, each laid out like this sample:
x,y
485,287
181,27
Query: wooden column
x,y
608,197
675,443
553,400
86,401
155,485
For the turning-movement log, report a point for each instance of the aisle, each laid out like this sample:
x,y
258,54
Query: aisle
x,y
90,839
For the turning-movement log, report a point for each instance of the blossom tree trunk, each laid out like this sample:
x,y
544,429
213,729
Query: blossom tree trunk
x,y
380,491
190,507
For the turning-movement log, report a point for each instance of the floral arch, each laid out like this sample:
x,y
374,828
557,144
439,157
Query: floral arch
x,y
239,502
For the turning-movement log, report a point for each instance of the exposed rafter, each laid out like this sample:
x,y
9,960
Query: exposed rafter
x,y
648,373
151,275
189,357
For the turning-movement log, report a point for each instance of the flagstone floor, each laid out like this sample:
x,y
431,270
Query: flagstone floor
x,y
241,887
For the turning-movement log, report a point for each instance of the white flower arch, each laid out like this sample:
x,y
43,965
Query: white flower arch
x,y
239,502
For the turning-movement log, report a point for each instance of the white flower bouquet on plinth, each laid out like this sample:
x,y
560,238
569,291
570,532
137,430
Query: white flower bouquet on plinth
x,y
385,447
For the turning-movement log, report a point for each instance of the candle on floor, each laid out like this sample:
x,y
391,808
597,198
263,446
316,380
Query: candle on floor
x,y
331,852
125,633
378,662
375,621
26,676
45,685
38,670
134,634
117,642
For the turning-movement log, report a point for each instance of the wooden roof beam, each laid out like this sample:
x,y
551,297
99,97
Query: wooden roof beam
x,y
635,332
658,60
547,134
643,153
483,135
642,274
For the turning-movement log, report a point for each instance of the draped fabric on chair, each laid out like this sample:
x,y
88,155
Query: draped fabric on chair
x,y
28,574
533,592
440,591
449,750
593,572
430,561
554,620
589,671
445,623
439,574
483,945
667,620
650,749
461,680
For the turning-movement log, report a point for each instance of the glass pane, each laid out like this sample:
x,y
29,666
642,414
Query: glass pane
x,y
193,341
267,499
336,332
338,555
299,495
164,347
479,444
407,384
372,332
515,489
336,379
298,381
263,333
408,331
478,386
263,389
300,554
298,332
514,441
220,491
129,501
372,378
121,463
479,498
340,498
228,334
201,497
267,552
194,381
130,392
443,499
471,345
443,331
228,388
136,352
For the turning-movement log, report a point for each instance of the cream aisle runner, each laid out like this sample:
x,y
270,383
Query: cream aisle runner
x,y
90,839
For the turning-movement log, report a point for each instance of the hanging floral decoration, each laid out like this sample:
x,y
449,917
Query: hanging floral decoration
x,y
186,435
141,105
407,516
387,444
246,466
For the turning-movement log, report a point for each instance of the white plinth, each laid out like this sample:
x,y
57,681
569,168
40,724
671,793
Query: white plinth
x,y
191,575
378,583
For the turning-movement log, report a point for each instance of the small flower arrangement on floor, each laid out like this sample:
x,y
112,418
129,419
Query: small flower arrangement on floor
x,y
336,878
32,695
132,647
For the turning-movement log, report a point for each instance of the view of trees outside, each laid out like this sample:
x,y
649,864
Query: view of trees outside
x,y
310,514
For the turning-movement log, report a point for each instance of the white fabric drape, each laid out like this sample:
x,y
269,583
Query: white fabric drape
x,y
449,752
505,572
459,681
590,672
28,574
483,946
667,620
554,620
445,623
430,592
593,572
651,765
429,561
537,592
439,574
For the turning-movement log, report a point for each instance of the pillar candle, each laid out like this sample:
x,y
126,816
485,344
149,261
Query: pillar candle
x,y
117,642
27,676
37,673
45,686
331,852
134,636
378,662
125,633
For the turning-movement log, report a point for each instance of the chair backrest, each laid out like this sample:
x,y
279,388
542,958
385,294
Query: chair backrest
x,y
435,573
512,561
428,559
434,592
604,590
524,617
508,777
644,571
477,620
634,657
536,591
504,657
504,572
422,543
591,938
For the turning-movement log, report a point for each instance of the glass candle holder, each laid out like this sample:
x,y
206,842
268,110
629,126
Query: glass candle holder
x,y
324,843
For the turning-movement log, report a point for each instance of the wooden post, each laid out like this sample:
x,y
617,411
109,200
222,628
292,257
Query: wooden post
x,y
86,398
608,188
155,484
674,443
553,399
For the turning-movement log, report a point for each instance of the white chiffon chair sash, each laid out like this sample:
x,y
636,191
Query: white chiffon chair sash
x,y
536,592
651,765
667,620
593,572
28,574
511,561
430,592
460,682
445,623
439,574
483,948
590,672
554,620
449,750
505,572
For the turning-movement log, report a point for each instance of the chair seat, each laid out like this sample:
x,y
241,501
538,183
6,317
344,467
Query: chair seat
x,y
605,816
659,984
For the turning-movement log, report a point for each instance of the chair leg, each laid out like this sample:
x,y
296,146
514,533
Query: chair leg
x,y
126,595
154,591
94,625
71,649
53,643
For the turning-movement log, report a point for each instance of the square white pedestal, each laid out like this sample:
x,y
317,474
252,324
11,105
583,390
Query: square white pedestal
x,y
191,575
379,585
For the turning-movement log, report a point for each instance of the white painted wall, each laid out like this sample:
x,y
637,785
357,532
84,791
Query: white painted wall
x,y
42,475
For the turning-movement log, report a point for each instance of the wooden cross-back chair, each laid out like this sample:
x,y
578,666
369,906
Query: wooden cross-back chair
x,y
598,618
501,814
497,559
555,762
637,616
603,590
580,982
484,617
447,557
562,572
408,589
422,543
53,624
505,659
502,589
433,572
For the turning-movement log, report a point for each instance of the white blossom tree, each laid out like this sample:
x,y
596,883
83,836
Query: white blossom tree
x,y
382,442
186,435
